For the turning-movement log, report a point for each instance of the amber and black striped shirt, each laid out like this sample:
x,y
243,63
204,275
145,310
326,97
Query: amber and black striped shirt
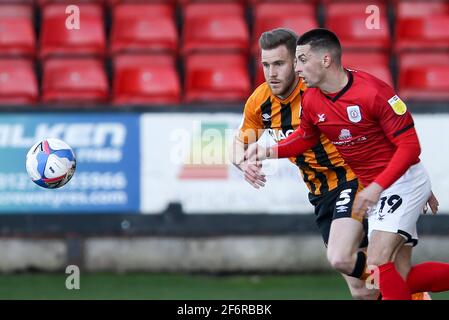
x,y
322,167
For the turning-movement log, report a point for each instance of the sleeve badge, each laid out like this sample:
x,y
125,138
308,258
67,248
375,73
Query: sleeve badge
x,y
398,105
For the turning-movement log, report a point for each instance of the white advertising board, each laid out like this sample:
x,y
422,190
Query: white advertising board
x,y
185,160
433,133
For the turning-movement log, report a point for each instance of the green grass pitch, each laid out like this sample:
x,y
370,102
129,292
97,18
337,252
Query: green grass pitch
x,y
177,287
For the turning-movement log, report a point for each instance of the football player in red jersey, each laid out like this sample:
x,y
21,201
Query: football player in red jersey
x,y
373,131
274,107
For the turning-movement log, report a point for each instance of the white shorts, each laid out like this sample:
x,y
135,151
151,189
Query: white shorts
x,y
401,205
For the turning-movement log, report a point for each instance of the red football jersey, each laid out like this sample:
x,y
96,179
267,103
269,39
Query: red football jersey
x,y
367,122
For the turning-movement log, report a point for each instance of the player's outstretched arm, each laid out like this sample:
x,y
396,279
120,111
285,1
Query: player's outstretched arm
x,y
252,171
237,153
296,143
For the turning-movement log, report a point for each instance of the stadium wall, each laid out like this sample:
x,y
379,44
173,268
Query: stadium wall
x,y
215,255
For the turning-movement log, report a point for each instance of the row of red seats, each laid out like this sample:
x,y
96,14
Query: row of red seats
x,y
152,28
184,2
154,80
137,79
419,25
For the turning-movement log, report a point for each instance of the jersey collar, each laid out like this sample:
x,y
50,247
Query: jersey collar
x,y
334,98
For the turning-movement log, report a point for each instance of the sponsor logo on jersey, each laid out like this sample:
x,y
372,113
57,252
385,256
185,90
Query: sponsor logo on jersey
x,y
342,209
345,134
279,135
398,105
354,114
321,117
266,117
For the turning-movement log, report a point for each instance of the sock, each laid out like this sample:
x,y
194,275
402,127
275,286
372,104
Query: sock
x,y
360,266
391,284
429,276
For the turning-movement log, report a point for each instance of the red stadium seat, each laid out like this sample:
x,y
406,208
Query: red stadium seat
x,y
143,28
17,31
299,17
327,2
408,59
74,81
145,80
172,3
348,21
422,33
43,3
406,9
214,27
425,83
186,2
216,78
314,2
259,76
375,63
424,76
18,84
58,40
16,2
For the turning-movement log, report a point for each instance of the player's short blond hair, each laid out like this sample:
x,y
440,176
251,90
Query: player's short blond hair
x,y
281,36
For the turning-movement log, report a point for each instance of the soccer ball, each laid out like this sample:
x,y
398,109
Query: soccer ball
x,y
51,163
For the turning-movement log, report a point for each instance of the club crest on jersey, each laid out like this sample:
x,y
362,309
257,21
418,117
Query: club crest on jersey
x,y
345,134
354,113
398,105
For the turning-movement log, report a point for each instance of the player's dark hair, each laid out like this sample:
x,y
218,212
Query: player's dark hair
x,y
321,38
281,36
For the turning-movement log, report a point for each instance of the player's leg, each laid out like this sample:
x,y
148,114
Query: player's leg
x,y
392,224
359,290
403,263
346,234
403,260
324,212
344,240
432,276
383,245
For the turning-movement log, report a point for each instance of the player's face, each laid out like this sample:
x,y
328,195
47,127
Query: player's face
x,y
309,66
278,69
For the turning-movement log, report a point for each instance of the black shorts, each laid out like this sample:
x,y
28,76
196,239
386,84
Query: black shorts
x,y
336,204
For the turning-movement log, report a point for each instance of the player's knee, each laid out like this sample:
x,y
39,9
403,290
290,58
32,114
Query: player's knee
x,y
341,263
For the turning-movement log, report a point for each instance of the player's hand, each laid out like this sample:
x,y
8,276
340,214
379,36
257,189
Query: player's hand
x,y
432,202
366,199
255,153
253,174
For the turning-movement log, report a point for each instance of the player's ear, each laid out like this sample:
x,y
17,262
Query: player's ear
x,y
327,60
